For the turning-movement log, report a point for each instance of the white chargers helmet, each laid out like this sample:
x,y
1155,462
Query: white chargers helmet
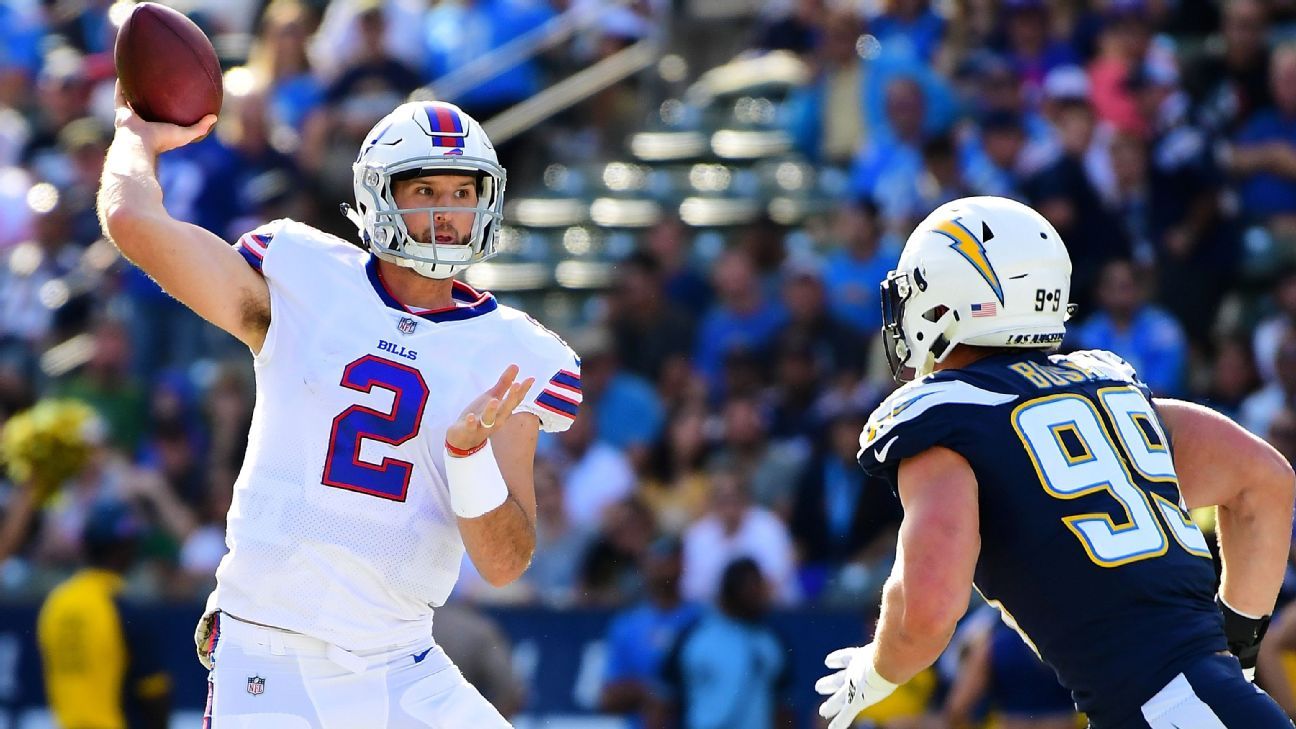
x,y
426,136
984,271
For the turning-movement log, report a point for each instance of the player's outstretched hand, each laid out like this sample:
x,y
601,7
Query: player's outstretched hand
x,y
158,137
853,688
489,411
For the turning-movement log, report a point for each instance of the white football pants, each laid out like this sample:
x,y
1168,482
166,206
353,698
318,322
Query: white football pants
x,y
262,678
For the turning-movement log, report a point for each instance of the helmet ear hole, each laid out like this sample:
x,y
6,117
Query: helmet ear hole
x,y
935,313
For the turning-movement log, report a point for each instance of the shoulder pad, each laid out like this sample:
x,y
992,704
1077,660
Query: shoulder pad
x,y
1107,365
898,429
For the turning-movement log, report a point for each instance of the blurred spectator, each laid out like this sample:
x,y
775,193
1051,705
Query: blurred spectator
x,y
1264,156
676,486
1230,82
791,399
888,166
735,528
769,467
481,652
82,143
856,265
835,345
101,661
1064,193
107,385
1272,328
22,29
1002,671
29,269
993,156
610,573
1141,333
669,242
1261,407
459,33
281,68
1232,377
730,669
629,414
741,318
366,89
1031,47
799,30
1123,46
909,28
639,637
594,473
841,516
63,94
341,37
560,545
647,326
826,117
1177,217
263,175
941,179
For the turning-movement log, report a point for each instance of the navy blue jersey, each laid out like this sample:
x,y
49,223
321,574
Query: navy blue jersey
x,y
1085,544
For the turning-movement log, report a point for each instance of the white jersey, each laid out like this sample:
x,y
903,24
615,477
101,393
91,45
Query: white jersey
x,y
341,526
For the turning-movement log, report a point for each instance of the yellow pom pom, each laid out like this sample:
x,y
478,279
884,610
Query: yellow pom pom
x,y
46,445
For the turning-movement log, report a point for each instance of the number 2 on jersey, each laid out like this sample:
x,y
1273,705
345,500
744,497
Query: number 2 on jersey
x,y
343,467
1075,455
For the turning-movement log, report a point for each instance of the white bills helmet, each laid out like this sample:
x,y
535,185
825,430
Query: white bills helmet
x,y
983,271
428,136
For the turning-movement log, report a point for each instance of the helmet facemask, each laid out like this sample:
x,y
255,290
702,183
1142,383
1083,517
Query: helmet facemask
x,y
391,239
914,343
427,138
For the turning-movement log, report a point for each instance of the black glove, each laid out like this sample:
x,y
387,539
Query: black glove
x,y
1244,635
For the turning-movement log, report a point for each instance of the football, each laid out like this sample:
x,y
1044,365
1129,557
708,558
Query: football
x,y
167,67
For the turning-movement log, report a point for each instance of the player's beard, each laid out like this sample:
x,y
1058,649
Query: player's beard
x,y
428,238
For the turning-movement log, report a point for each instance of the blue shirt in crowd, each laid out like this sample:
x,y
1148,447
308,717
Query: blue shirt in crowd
x,y
726,673
1153,344
1265,194
852,288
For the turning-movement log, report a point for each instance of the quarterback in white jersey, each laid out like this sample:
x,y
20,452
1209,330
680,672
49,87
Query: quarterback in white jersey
x,y
395,426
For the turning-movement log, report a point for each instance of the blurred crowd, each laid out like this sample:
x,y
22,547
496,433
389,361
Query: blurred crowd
x,y
723,394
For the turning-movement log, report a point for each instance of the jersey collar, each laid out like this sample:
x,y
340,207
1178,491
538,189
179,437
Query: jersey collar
x,y
470,303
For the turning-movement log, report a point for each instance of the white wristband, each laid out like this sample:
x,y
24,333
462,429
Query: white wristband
x,y
476,484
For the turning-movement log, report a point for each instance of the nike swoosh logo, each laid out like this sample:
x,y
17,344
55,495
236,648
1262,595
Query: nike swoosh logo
x,y
881,454
418,657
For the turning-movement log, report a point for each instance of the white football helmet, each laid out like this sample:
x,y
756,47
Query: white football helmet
x,y
984,271
432,136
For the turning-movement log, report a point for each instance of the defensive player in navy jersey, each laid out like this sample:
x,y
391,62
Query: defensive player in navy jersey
x,y
1060,487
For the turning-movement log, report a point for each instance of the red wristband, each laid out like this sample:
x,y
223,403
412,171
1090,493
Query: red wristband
x,y
465,452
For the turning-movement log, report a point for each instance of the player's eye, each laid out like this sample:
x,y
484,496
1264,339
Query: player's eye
x,y
462,193
423,190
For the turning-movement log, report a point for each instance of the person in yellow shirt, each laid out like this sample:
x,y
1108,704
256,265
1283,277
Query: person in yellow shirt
x,y
101,669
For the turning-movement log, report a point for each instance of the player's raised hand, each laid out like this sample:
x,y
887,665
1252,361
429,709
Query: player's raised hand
x,y
158,137
488,411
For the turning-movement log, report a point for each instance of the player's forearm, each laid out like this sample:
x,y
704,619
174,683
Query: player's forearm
x,y
909,637
500,542
129,185
1254,535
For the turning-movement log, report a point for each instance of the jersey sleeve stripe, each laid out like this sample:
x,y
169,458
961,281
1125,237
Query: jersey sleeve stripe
x,y
566,381
557,404
574,400
254,259
574,375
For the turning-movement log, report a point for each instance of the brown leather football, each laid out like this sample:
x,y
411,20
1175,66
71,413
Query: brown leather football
x,y
167,67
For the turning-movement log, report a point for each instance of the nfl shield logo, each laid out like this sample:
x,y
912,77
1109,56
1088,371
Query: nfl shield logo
x,y
406,325
256,685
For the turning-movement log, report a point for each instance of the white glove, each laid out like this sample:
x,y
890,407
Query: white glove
x,y
854,688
